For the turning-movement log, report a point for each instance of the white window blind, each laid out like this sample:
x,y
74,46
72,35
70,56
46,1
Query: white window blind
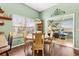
x,y
18,20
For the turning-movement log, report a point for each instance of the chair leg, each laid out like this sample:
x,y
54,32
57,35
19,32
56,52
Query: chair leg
x,y
43,53
7,54
50,49
33,53
25,51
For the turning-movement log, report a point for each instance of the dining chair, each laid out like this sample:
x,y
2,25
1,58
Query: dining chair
x,y
38,44
8,47
27,42
48,41
25,45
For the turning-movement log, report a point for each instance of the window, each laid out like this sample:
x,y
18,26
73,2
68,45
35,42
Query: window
x,y
21,24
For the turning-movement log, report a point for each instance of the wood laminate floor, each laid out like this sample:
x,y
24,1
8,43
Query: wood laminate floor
x,y
57,50
66,42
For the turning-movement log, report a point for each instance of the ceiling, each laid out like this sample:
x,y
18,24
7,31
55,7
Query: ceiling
x,y
40,6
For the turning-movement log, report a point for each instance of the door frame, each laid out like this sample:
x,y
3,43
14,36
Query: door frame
x,y
60,16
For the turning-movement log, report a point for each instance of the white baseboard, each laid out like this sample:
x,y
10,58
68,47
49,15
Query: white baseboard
x,y
59,44
18,45
76,48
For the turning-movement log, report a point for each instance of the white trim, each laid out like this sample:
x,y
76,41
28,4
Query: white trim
x,y
73,30
76,48
60,16
18,45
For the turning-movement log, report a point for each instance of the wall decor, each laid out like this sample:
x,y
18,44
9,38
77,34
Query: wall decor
x,y
58,12
2,15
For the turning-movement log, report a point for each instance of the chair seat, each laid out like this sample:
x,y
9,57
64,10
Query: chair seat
x,y
38,46
4,49
29,41
47,41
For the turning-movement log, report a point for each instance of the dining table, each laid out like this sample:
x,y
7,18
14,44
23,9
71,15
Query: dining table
x,y
29,41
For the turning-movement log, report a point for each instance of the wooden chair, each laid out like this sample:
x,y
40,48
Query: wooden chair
x,y
27,42
25,39
48,41
38,44
7,48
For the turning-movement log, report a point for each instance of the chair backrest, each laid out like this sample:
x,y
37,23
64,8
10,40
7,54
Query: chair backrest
x,y
10,38
24,34
38,38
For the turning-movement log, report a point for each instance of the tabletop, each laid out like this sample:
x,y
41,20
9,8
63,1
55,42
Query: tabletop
x,y
29,39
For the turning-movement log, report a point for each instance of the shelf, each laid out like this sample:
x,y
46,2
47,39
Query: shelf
x,y
5,17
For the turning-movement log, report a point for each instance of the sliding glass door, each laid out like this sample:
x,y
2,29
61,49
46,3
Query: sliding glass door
x,y
63,26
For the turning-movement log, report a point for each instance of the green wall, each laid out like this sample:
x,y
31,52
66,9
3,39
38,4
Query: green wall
x,y
19,9
69,8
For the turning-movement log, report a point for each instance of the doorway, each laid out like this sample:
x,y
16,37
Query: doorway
x,y
61,29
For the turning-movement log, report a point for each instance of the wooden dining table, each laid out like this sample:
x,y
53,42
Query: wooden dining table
x,y
29,40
